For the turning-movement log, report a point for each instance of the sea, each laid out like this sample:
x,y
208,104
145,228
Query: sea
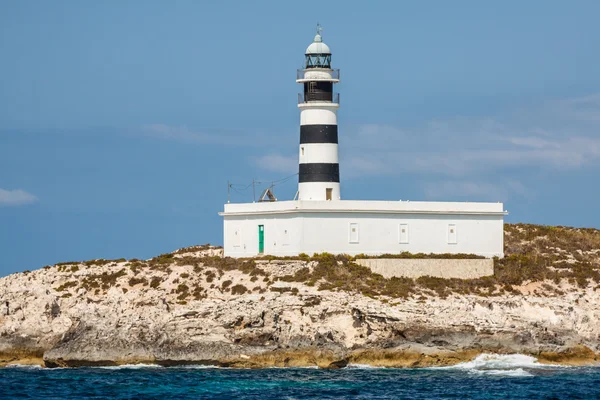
x,y
488,376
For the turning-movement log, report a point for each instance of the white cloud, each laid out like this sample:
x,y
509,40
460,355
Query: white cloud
x,y
562,135
277,163
16,197
585,108
459,154
226,137
473,191
184,134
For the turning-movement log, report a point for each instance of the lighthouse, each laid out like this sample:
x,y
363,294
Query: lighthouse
x,y
317,220
319,170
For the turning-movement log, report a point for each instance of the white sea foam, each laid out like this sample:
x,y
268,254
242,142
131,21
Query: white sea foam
x,y
131,366
23,366
361,366
502,372
516,365
197,366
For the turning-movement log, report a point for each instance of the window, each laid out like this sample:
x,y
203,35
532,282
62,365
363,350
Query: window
x,y
237,237
328,193
353,234
452,234
403,233
301,151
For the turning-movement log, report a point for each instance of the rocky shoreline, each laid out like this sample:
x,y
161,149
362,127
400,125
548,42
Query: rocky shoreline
x,y
193,306
310,357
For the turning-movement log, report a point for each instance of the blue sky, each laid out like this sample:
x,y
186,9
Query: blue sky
x,y
122,121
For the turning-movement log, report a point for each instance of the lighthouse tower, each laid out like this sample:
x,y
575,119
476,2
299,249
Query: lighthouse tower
x,y
319,172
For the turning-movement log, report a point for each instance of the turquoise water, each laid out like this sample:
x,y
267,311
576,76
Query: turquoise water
x,y
488,379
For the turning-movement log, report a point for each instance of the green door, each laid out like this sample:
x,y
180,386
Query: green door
x,y
261,239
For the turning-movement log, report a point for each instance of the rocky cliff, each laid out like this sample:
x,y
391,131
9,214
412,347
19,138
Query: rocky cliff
x,y
194,306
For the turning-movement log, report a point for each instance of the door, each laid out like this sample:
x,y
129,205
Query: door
x,y
261,239
328,193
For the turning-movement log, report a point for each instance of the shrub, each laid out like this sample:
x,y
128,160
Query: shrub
x,y
155,282
104,280
183,291
135,281
226,284
210,276
66,286
238,289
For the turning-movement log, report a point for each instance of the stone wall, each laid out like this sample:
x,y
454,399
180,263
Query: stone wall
x,y
441,268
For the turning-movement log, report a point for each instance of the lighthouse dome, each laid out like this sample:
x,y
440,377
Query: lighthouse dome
x,y
318,47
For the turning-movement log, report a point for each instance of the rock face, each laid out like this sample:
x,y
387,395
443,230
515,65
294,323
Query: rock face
x,y
182,308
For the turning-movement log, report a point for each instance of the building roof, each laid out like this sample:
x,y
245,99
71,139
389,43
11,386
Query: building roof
x,y
368,207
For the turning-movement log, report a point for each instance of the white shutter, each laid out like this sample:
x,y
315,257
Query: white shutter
x,y
403,233
452,234
353,232
237,237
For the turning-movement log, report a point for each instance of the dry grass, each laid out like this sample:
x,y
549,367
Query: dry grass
x,y
533,253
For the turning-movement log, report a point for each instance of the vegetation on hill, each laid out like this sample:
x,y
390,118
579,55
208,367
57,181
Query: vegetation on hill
x,y
543,257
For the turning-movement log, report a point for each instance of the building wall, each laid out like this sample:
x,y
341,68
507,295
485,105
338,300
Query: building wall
x,y
282,235
364,232
439,268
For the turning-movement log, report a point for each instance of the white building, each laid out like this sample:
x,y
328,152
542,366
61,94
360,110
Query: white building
x,y
319,221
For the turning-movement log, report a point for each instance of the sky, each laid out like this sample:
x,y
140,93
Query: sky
x,y
121,122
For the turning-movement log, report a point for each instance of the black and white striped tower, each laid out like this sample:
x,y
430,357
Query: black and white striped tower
x,y
319,172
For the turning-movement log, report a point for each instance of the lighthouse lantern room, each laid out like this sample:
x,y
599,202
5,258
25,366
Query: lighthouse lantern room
x,y
319,221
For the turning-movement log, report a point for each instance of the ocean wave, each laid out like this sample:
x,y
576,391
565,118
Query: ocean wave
x,y
197,366
24,366
361,366
130,366
502,372
516,365
502,361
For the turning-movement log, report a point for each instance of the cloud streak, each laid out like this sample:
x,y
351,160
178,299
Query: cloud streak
x,y
473,190
277,163
562,136
452,157
16,197
223,137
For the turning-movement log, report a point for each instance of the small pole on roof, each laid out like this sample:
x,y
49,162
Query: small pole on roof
x,y
253,192
228,190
